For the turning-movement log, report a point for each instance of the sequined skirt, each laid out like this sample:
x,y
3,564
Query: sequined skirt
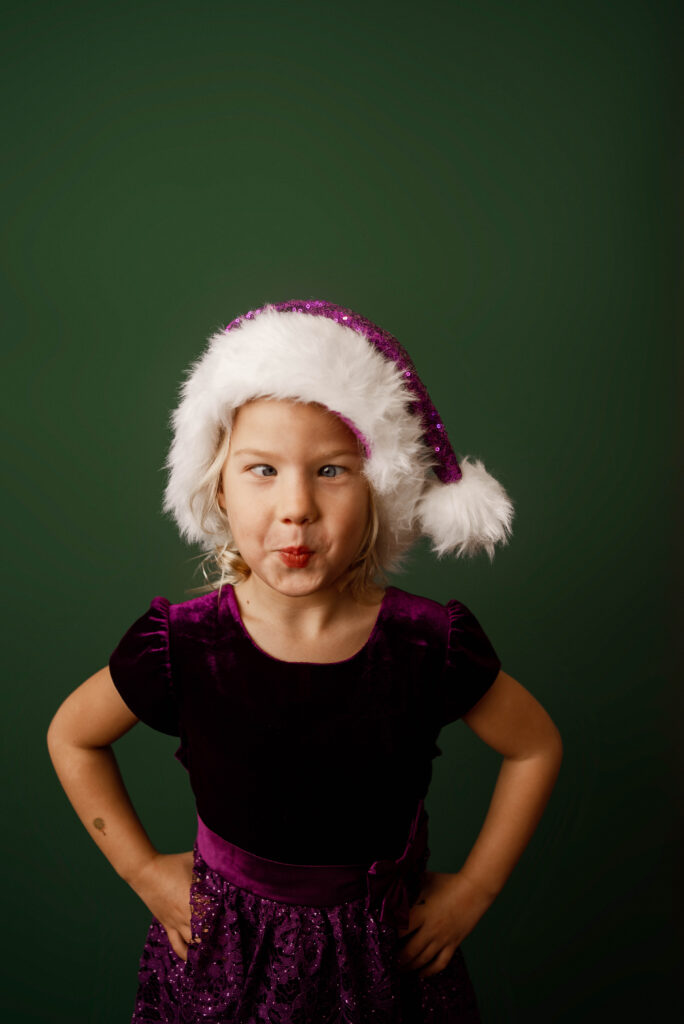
x,y
298,944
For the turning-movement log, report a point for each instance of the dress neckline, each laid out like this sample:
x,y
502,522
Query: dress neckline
x,y
231,601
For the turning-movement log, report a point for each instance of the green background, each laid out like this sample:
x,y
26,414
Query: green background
x,y
498,185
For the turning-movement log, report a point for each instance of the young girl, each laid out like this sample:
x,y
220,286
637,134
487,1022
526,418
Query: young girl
x,y
308,695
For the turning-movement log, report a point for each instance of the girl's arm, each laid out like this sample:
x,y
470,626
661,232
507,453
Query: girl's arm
x,y
512,722
79,743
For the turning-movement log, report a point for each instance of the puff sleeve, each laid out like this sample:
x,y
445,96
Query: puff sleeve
x,y
140,667
471,664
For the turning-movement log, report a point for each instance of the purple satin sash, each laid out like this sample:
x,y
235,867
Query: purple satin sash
x,y
390,886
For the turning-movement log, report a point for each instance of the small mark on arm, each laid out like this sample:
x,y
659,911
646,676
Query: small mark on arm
x,y
99,824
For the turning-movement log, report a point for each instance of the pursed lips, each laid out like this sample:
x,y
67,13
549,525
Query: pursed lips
x,y
296,558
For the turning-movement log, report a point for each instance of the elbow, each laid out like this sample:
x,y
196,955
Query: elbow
x,y
55,735
554,753
51,735
548,747
550,741
553,737
558,743
552,747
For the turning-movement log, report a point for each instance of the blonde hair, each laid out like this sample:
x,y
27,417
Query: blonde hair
x,y
363,577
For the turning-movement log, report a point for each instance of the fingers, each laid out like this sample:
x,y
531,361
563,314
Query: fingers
x,y
180,939
178,945
421,957
438,964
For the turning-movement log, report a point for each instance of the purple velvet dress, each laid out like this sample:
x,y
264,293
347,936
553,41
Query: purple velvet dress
x,y
306,778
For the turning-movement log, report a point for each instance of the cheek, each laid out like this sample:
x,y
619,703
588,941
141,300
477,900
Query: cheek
x,y
231,508
354,523
246,514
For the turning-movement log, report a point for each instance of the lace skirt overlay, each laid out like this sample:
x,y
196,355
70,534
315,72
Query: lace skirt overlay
x,y
298,944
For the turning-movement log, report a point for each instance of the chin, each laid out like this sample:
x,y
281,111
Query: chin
x,y
298,583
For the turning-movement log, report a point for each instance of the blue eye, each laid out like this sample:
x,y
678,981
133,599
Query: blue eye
x,y
252,468
333,467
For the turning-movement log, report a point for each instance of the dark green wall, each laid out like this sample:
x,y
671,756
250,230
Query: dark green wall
x,y
495,183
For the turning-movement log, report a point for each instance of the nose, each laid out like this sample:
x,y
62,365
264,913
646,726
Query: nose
x,y
297,499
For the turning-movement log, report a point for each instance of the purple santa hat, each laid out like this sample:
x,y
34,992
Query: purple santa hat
x,y
316,351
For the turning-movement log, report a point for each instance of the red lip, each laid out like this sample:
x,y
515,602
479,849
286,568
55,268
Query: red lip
x,y
296,558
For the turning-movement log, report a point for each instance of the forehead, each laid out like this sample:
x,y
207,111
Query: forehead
x,y
287,417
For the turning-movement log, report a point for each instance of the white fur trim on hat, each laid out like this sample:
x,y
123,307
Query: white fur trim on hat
x,y
292,355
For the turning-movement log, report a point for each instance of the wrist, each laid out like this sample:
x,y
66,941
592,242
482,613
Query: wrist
x,y
486,892
136,876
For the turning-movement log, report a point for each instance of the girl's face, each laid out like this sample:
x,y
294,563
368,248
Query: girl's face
x,y
293,479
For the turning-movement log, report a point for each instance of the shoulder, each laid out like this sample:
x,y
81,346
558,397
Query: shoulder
x,y
423,616
196,617
420,617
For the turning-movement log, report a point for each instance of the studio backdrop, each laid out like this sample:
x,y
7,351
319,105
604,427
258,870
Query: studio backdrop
x,y
497,185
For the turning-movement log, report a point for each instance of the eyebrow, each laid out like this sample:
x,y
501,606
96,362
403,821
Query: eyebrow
x,y
270,455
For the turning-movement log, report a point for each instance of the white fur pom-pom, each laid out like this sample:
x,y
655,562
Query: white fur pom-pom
x,y
473,513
